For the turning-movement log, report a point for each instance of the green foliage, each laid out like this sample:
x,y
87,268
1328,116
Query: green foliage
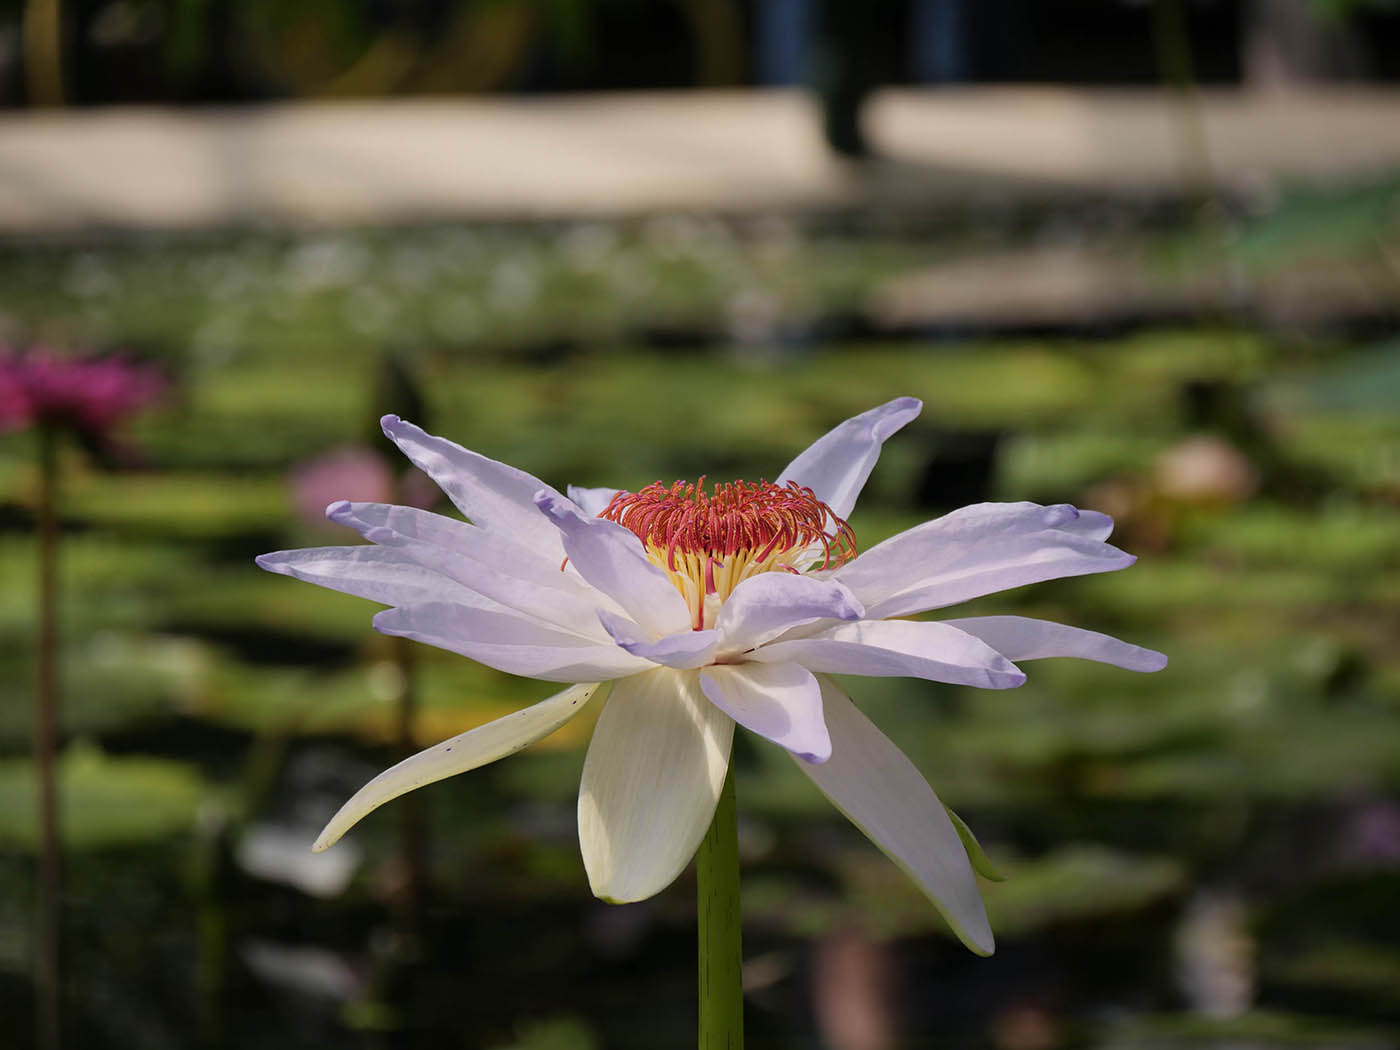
x,y
104,802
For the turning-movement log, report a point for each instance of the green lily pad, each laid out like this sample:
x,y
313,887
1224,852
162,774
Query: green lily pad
x,y
104,801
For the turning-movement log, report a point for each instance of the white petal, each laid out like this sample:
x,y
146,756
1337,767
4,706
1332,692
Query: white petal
x,y
682,650
779,701
650,783
510,642
884,648
377,573
838,463
611,558
879,789
766,605
493,495
978,550
480,561
471,749
1022,638
592,501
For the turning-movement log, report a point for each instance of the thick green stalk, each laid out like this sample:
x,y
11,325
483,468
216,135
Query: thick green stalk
x,y
721,958
46,976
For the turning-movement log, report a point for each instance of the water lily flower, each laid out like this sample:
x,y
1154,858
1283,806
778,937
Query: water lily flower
x,y
92,395
705,608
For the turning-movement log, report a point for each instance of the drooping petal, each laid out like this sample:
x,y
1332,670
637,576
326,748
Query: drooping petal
x,y
377,573
874,784
838,463
494,495
463,752
610,557
510,642
766,605
682,650
480,561
977,550
895,648
779,701
1023,638
591,501
653,774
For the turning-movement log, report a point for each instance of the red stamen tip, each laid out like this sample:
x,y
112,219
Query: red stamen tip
x,y
738,516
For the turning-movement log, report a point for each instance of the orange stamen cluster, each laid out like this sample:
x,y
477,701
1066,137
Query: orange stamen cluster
x,y
709,542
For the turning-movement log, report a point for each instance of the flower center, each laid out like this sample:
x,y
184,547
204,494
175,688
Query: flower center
x,y
710,542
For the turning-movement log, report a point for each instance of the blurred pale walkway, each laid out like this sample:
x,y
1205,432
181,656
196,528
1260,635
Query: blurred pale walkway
x,y
623,154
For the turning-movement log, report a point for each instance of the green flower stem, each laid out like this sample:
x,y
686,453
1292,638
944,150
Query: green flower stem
x,y
721,958
46,977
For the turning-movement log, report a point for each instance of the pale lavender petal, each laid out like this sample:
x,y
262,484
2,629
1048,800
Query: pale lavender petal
x,y
838,463
766,605
874,784
1022,638
1091,524
977,550
377,573
494,495
610,557
779,701
898,648
681,650
510,642
653,774
591,501
1050,555
479,560
461,753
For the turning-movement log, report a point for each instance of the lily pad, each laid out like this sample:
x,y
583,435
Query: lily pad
x,y
104,801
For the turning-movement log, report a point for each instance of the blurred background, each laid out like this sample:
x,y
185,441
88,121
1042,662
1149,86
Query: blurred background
x,y
1143,257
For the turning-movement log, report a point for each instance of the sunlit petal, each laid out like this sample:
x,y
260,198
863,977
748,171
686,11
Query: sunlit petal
x,y
610,558
1022,638
879,789
884,648
377,573
510,642
652,777
591,501
682,650
461,753
838,463
493,495
978,550
779,701
766,605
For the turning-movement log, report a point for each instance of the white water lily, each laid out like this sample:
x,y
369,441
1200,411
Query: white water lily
x,y
703,609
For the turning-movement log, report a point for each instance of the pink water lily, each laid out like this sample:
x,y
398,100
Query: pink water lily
x,y
91,394
704,608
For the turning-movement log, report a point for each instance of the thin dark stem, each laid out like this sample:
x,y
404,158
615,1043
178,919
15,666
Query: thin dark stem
x,y
718,919
46,983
